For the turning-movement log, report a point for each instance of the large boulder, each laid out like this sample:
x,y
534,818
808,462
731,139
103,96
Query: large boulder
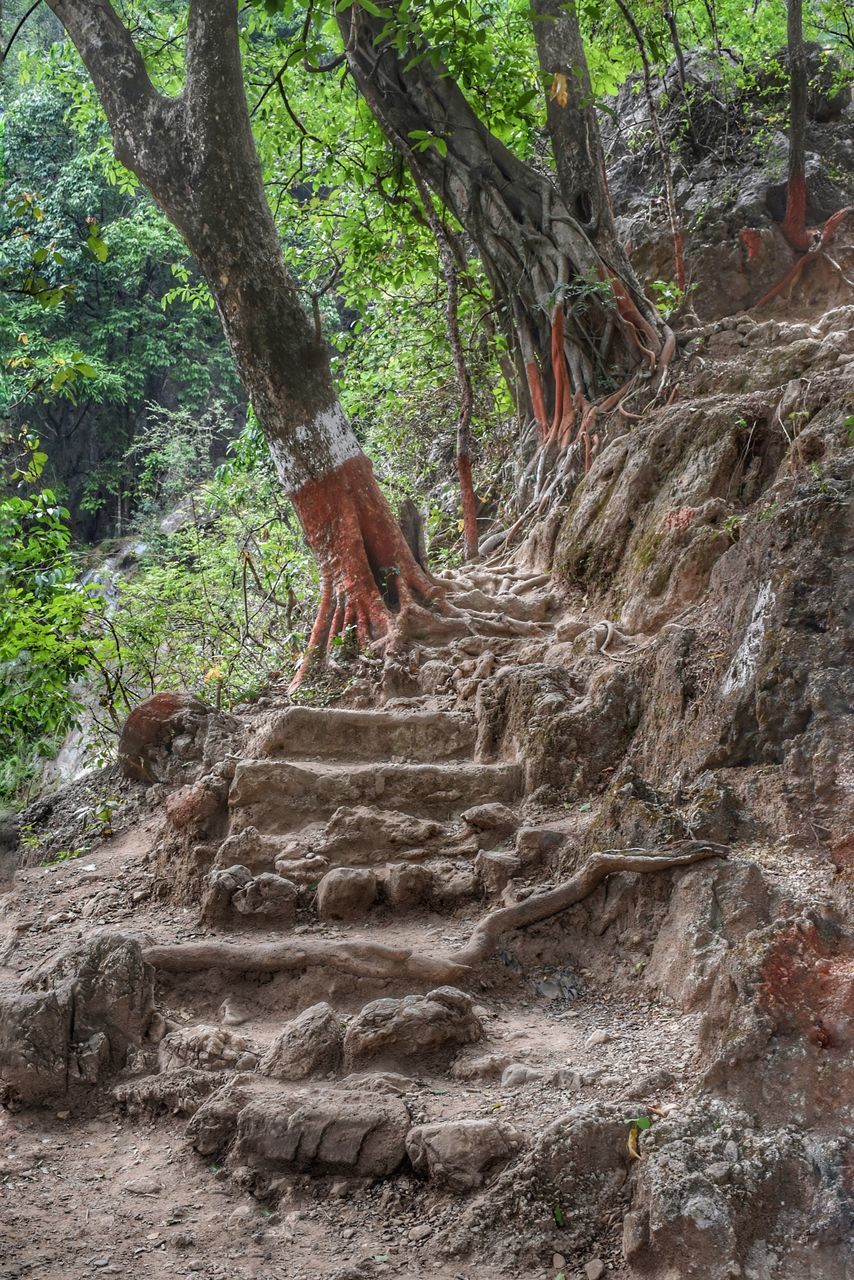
x,y
311,1044
75,1019
160,731
416,1026
715,1194
268,897
259,1126
346,893
458,1154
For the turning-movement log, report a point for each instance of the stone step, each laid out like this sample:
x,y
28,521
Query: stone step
x,y
308,733
281,794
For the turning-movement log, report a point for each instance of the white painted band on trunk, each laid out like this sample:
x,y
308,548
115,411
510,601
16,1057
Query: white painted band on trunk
x,y
318,448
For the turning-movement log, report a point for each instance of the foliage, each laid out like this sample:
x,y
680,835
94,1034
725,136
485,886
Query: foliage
x,y
42,610
216,606
103,257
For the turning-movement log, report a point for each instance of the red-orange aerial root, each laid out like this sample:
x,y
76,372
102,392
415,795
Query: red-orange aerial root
x,y
367,569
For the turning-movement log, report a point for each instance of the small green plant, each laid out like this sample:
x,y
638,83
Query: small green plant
x,y
668,297
818,475
730,528
64,855
769,512
99,816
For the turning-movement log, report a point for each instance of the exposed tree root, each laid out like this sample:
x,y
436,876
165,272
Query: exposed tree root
x,y
372,960
598,866
361,959
821,239
368,571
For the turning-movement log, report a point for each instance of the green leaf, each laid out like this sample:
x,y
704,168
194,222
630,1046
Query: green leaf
x,y
559,1216
97,246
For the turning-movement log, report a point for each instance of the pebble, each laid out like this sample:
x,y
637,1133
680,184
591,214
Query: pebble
x,y
558,1261
144,1186
420,1233
598,1037
239,1215
594,1269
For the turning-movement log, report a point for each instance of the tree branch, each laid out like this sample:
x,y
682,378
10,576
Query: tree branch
x,y
118,73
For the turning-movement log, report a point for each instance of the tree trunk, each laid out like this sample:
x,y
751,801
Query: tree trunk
x,y
574,127
794,225
576,318
196,155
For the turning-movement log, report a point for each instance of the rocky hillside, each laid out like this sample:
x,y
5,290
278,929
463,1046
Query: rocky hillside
x,y
526,952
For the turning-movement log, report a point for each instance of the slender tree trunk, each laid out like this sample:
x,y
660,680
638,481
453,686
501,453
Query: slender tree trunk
x,y
663,153
794,225
196,155
574,126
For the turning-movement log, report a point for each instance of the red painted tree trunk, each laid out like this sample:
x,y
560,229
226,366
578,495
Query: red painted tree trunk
x,y
794,225
196,155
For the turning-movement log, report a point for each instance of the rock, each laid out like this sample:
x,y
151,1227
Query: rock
x,y
34,1046
417,1234
362,834
76,1019
518,1074
379,1082
578,1162
208,1048
777,1030
257,1125
458,1154
407,885
223,884
535,845
594,1269
685,1223
148,733
269,896
434,676
9,847
346,893
196,808
496,818
231,1014
452,882
309,1045
307,871
487,1066
597,1038
171,1092
569,629
415,1026
146,1185
495,871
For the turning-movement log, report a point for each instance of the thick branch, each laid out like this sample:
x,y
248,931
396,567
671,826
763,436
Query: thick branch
x,y
131,103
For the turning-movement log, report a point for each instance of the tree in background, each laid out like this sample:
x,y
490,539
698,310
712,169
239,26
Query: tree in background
x,y
569,303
